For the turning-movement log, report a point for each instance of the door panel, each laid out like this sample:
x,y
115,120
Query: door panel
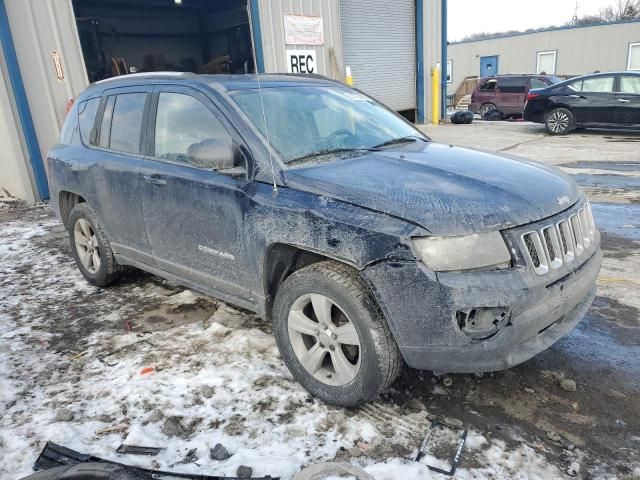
x,y
592,100
193,215
116,174
489,66
628,101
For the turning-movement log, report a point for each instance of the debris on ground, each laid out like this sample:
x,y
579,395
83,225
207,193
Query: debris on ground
x,y
568,385
138,450
244,472
64,415
219,452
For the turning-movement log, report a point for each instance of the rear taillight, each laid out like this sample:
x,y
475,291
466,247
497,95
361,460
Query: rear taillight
x,y
531,96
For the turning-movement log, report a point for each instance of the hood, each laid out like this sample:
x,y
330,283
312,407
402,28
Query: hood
x,y
447,190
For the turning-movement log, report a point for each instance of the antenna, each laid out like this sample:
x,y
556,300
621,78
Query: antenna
x,y
264,115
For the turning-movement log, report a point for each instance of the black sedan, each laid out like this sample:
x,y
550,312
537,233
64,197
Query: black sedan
x,y
601,100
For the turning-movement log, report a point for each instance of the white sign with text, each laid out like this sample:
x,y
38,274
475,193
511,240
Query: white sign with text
x,y
301,61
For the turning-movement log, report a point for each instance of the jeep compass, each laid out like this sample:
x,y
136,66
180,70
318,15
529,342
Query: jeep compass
x,y
367,245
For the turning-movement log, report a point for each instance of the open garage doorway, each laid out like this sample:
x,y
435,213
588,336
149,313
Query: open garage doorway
x,y
130,36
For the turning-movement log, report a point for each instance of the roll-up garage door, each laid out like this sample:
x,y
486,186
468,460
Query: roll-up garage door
x,y
378,43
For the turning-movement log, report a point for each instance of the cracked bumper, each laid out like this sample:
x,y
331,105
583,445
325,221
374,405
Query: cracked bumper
x,y
420,310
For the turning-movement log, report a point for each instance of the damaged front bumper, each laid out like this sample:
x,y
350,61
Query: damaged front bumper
x,y
423,311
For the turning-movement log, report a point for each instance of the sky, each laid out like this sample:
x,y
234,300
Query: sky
x,y
473,16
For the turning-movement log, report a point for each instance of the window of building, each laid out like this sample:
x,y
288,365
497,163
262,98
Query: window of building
x,y
183,121
633,63
547,62
630,84
127,122
449,71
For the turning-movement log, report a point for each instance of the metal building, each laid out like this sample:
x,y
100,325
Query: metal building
x,y
556,51
52,49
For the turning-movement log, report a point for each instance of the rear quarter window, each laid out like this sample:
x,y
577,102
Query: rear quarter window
x,y
86,118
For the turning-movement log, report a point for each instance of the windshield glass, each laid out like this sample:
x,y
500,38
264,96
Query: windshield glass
x,y
309,121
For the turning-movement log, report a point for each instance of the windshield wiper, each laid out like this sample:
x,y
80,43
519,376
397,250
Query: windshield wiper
x,y
395,141
332,151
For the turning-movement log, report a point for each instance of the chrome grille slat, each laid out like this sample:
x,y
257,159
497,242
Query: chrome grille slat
x,y
550,246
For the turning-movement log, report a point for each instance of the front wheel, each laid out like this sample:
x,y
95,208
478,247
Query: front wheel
x,y
332,336
559,121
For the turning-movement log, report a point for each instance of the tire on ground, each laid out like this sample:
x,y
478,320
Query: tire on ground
x,y
554,121
380,359
109,270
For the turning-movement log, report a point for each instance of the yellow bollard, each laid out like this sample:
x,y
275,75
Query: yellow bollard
x,y
435,95
348,79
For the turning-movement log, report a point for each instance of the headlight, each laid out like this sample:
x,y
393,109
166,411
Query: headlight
x,y
483,250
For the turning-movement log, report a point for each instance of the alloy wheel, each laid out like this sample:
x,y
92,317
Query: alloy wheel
x,y
324,339
486,108
87,245
558,122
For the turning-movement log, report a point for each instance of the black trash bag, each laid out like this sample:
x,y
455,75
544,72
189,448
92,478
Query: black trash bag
x,y
462,117
493,115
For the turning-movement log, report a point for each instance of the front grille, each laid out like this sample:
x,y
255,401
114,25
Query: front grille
x,y
557,243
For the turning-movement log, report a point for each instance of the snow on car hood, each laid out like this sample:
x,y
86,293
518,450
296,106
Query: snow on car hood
x,y
447,190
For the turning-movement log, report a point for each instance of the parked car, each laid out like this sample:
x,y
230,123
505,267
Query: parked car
x,y
602,100
506,93
366,244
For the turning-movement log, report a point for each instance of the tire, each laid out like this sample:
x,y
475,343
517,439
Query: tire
x,y
559,121
90,471
486,108
100,267
372,365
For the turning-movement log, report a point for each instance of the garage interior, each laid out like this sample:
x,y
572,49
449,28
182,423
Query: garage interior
x,y
118,37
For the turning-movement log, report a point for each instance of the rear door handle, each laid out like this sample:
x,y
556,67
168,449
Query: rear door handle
x,y
623,100
155,179
576,96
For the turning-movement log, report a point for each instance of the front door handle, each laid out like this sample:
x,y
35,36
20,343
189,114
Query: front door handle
x,y
155,179
623,100
576,96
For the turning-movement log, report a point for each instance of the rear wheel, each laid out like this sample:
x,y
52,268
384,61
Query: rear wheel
x,y
559,121
332,335
90,247
486,108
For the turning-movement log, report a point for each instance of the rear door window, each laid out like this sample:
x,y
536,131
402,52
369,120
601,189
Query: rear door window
x,y
594,85
513,85
126,123
630,84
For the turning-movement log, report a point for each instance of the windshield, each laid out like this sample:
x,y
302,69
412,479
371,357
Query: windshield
x,y
310,121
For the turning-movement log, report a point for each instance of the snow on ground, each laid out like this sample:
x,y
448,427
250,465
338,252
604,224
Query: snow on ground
x,y
65,351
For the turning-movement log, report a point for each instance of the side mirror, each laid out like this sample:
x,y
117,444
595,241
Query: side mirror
x,y
212,153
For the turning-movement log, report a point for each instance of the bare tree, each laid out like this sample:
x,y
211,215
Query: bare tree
x,y
623,10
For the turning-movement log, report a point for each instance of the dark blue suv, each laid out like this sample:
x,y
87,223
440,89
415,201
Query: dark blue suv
x,y
308,202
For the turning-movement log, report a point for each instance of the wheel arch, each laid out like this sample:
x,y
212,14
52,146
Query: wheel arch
x,y
66,201
283,259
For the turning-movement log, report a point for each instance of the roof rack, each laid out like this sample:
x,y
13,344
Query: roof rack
x,y
148,75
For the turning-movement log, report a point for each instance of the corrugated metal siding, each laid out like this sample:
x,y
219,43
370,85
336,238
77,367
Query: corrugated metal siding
x,y
378,42
272,13
16,178
39,27
580,51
